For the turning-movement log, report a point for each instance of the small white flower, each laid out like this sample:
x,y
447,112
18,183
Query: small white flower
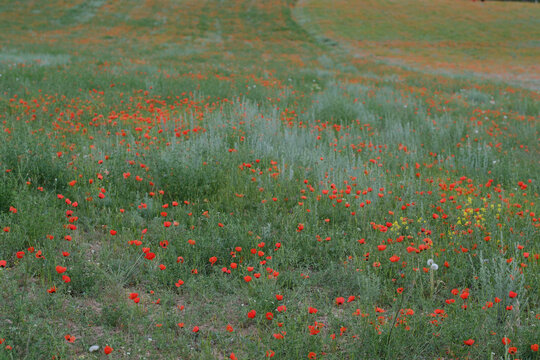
x,y
93,348
434,266
429,262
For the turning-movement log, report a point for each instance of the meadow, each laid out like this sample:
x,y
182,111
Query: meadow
x,y
244,179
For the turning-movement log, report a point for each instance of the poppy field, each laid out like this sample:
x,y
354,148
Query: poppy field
x,y
269,179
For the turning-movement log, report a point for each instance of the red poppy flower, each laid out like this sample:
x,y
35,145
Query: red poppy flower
x,y
251,314
60,269
340,301
70,338
468,342
512,294
107,350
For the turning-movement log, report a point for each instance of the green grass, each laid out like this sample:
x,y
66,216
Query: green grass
x,y
231,139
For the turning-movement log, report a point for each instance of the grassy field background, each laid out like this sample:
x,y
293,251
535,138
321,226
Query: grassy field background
x,y
449,37
255,179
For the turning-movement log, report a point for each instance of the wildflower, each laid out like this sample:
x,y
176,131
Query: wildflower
x,y
107,350
469,342
70,338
